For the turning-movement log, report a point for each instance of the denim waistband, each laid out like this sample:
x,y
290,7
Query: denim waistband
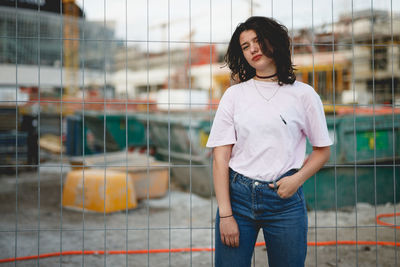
x,y
249,181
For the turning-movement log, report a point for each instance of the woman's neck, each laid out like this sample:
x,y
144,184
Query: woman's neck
x,y
267,74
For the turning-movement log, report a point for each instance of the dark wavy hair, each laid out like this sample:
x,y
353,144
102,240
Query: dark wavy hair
x,y
270,34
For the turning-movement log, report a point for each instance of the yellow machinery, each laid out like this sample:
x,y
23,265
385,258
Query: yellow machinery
x,y
99,190
71,46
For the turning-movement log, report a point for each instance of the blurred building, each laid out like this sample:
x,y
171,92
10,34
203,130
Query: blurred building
x,y
357,57
141,74
48,43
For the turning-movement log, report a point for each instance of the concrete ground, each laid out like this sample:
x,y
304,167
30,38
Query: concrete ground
x,y
179,220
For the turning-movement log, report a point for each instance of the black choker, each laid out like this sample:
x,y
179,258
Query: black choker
x,y
266,77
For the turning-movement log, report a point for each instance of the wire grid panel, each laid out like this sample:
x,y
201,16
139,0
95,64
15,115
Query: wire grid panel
x,y
161,50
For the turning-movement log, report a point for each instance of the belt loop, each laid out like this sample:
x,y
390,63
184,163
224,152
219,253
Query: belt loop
x,y
234,177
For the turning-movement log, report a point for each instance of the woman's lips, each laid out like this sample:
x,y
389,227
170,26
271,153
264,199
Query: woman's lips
x,y
255,58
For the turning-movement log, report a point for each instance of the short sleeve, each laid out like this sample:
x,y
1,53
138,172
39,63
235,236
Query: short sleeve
x,y
315,122
223,128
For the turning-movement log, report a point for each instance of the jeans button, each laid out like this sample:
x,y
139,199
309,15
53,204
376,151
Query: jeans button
x,y
256,183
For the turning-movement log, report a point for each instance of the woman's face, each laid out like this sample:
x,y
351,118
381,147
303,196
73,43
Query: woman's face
x,y
253,54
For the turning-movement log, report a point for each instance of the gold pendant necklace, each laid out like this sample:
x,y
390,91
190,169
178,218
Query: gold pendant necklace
x,y
267,99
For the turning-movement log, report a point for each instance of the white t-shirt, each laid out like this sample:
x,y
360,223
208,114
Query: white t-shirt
x,y
269,137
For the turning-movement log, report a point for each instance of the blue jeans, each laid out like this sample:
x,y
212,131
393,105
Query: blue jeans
x,y
284,223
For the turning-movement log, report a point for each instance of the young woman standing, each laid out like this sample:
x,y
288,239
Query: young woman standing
x,y
259,139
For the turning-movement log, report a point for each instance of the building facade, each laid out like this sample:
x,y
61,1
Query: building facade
x,y
34,38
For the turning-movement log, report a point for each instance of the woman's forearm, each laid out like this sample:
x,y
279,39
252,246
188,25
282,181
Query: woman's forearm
x,y
317,159
221,178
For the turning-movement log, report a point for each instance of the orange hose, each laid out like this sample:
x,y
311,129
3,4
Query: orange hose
x,y
385,215
179,250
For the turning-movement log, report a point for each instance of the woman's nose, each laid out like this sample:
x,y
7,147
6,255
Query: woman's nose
x,y
254,48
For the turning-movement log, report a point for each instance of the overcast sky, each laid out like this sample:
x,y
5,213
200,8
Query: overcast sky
x,y
214,20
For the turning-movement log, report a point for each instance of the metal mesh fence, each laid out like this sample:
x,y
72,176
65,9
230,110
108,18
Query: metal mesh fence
x,y
106,107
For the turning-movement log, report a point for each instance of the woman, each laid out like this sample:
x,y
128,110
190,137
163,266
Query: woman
x,y
259,139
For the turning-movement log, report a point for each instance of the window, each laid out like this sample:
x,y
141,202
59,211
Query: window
x,y
380,58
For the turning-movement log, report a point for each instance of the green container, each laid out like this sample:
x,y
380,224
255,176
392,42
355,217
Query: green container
x,y
116,126
375,138
92,137
182,134
355,142
364,153
115,133
339,187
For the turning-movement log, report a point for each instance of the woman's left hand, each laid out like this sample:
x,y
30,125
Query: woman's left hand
x,y
287,186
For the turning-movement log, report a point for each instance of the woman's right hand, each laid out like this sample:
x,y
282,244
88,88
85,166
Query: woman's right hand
x,y
229,231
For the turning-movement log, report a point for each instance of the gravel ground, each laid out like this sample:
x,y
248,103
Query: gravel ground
x,y
179,220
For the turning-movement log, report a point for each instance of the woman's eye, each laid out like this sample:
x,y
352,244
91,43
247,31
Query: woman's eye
x,y
244,47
